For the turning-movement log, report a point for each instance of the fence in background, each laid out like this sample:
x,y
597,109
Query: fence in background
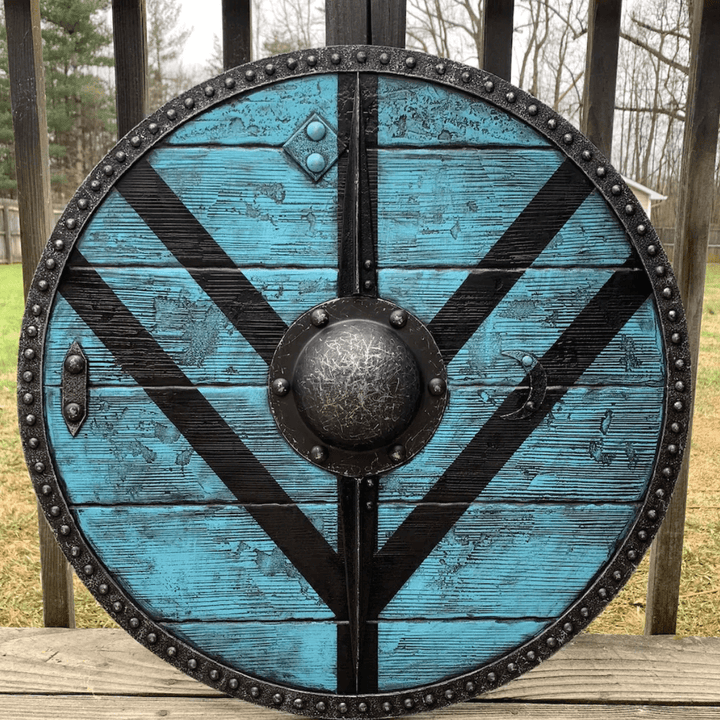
x,y
10,248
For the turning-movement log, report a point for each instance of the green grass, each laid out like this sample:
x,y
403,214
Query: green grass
x,y
699,610
11,310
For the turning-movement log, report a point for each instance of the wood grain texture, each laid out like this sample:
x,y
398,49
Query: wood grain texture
x,y
202,563
454,211
32,164
387,22
455,646
347,22
607,446
304,654
104,707
267,116
131,58
138,455
602,670
412,112
237,32
187,324
601,72
605,435
693,224
497,37
507,562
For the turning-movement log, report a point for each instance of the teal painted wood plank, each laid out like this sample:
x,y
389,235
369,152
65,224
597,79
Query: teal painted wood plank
x,y
449,213
606,438
300,654
519,323
415,112
116,235
187,324
128,451
203,563
265,116
420,652
530,318
256,203
592,237
66,327
508,561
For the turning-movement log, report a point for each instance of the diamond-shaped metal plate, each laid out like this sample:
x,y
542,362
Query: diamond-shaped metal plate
x,y
314,147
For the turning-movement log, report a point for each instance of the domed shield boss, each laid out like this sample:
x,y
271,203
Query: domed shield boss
x,y
354,382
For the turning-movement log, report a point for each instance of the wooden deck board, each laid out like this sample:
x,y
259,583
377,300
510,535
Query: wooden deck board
x,y
98,674
42,707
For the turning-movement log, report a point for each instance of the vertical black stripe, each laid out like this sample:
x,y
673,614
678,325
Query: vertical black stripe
x,y
357,186
208,264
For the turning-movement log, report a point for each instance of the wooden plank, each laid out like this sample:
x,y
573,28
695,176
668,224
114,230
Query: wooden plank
x,y
237,32
103,707
387,20
497,37
509,562
110,708
266,116
347,22
27,90
606,435
601,73
416,113
591,669
306,656
693,223
204,563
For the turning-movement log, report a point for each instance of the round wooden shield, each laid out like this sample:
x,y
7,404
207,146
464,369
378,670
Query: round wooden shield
x,y
354,382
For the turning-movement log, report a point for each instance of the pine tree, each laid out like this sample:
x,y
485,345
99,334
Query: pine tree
x,y
77,47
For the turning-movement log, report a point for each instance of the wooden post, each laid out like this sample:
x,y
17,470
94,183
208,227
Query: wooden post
x,y
347,22
691,246
131,58
27,92
497,38
601,73
387,22
237,32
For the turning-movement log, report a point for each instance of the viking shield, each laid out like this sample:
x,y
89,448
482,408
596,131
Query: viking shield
x,y
354,382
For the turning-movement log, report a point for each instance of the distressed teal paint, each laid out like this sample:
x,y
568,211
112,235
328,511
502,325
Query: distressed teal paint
x,y
605,437
268,116
447,208
508,561
116,235
530,318
417,652
415,112
256,203
303,653
195,332
205,563
67,327
292,292
592,237
137,455
185,322
533,316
